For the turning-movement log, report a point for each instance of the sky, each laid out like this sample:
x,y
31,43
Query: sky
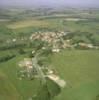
x,y
50,3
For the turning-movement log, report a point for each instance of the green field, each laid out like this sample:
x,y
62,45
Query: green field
x,y
24,89
79,68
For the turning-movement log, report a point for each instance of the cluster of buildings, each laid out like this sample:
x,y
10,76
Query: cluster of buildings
x,y
48,36
86,45
29,69
54,39
26,68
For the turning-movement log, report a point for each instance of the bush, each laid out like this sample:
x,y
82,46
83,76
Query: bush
x,y
12,46
97,97
21,51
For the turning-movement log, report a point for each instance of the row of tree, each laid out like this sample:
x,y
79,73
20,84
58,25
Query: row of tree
x,y
85,37
12,46
7,57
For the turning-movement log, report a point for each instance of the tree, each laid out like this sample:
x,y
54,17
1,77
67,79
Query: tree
x,y
21,51
43,93
97,97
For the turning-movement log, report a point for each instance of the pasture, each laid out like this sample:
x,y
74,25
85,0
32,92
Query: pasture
x,y
79,68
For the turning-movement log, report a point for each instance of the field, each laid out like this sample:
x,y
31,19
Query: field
x,y
19,90
79,69
54,24
28,23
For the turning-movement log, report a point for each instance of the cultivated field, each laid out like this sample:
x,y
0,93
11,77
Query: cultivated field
x,y
28,23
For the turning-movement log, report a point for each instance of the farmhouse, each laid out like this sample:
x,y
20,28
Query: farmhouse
x,y
26,64
57,80
86,45
56,50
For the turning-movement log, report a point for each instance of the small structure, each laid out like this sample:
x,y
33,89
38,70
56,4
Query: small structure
x,y
27,68
14,40
55,50
57,80
27,62
86,45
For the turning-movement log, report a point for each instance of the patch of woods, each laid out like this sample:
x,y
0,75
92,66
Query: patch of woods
x,y
47,91
83,38
97,97
7,57
5,30
13,46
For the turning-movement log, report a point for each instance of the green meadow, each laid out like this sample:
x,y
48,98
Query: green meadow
x,y
79,68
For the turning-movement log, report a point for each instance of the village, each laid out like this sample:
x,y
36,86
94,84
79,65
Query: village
x,y
30,68
57,42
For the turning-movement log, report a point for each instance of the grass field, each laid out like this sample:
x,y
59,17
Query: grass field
x,y
7,89
24,89
79,68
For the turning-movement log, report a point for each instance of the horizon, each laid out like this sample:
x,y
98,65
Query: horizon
x,y
49,3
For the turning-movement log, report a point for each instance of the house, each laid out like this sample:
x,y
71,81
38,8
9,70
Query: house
x,y
57,80
56,50
85,45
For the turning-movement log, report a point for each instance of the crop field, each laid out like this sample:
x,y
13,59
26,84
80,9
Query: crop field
x,y
28,23
36,23
61,23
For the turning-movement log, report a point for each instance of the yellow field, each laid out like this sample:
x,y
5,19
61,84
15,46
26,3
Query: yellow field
x,y
28,23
